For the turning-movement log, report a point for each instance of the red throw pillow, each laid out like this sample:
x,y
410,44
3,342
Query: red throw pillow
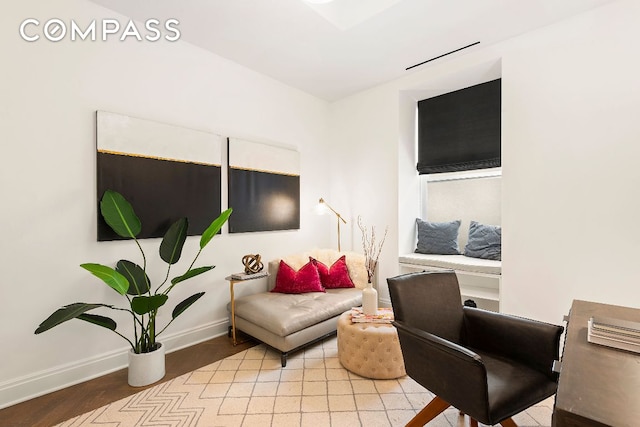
x,y
289,281
336,276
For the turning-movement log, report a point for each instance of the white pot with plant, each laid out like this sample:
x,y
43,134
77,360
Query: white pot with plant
x,y
131,281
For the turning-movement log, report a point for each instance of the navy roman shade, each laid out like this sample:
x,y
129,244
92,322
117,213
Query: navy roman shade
x,y
460,130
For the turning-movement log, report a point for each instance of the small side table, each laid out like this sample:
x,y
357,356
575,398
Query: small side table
x,y
371,350
233,279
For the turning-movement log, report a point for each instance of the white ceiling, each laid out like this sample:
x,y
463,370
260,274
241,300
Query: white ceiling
x,y
336,49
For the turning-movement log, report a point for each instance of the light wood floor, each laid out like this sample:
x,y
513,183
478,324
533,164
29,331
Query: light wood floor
x,y
62,405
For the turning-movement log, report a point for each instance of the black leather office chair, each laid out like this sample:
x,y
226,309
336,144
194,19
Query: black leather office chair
x,y
488,365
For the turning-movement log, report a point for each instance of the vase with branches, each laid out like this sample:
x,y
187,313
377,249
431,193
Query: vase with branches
x,y
372,249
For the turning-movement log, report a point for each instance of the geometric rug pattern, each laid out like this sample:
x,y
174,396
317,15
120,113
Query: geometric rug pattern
x,y
250,388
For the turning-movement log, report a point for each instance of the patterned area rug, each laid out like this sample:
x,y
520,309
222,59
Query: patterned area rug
x,y
252,389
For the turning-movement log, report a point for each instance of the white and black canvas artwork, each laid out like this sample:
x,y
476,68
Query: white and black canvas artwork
x,y
166,172
264,187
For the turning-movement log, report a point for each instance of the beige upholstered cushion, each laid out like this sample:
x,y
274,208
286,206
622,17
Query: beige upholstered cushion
x,y
371,350
284,314
354,260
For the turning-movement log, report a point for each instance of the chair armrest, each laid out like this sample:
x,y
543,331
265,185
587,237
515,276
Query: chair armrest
x,y
450,371
530,342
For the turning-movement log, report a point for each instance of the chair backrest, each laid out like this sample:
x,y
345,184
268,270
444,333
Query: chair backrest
x,y
429,301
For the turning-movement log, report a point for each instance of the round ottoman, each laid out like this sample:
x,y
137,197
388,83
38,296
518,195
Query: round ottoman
x,y
371,350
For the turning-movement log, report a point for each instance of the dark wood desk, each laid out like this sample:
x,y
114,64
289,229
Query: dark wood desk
x,y
598,386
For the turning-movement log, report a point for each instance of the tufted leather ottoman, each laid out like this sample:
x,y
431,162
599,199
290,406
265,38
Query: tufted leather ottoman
x,y
371,350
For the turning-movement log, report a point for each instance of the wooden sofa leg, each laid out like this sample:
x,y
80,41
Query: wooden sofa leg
x,y
508,423
283,359
429,412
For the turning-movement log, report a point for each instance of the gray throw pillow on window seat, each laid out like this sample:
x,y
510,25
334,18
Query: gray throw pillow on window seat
x,y
485,241
438,237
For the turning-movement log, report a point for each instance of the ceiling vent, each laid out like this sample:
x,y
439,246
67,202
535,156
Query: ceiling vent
x,y
440,56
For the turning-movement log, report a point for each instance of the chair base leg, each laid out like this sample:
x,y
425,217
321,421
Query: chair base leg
x,y
437,406
508,423
429,412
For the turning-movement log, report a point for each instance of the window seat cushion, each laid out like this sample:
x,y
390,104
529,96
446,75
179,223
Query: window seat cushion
x,y
454,262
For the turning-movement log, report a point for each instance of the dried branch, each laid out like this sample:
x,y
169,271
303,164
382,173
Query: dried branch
x,y
370,248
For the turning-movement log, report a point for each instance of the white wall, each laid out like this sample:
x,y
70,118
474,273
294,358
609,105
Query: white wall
x,y
570,130
364,174
50,92
570,172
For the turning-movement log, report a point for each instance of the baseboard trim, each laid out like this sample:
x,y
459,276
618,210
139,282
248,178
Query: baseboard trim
x,y
44,382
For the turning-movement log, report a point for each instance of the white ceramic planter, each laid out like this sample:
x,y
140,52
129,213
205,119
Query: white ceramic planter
x,y
369,300
146,368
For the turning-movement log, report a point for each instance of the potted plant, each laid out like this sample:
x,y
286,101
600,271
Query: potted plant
x,y
131,281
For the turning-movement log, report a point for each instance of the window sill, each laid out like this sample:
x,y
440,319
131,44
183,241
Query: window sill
x,y
453,176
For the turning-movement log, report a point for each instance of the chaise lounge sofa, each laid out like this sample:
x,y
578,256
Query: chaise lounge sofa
x,y
291,321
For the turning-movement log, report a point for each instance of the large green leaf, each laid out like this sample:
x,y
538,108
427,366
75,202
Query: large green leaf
x,y
180,308
109,276
146,304
119,214
192,273
173,241
65,313
138,279
105,322
214,227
